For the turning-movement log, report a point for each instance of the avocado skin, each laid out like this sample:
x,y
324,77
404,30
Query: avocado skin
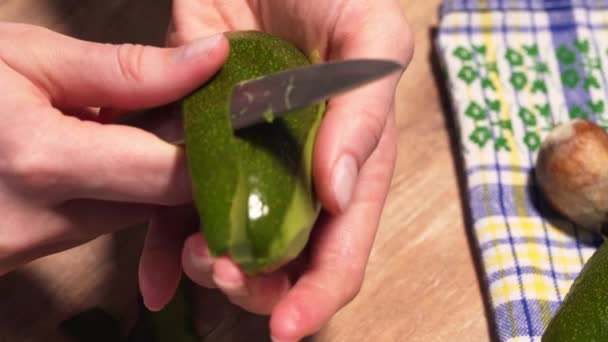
x,y
248,184
583,315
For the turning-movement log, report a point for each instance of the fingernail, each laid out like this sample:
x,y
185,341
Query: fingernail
x,y
151,300
201,261
230,280
344,178
199,48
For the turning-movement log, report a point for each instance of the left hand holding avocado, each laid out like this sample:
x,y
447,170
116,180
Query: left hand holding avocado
x,y
65,177
352,170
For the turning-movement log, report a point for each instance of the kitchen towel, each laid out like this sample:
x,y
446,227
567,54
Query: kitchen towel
x,y
515,69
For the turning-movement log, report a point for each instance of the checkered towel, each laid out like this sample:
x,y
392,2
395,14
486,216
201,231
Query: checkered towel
x,y
515,69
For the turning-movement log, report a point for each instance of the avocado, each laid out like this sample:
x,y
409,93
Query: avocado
x,y
253,187
583,315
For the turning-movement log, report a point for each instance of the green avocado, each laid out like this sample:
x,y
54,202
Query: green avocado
x,y
253,188
583,316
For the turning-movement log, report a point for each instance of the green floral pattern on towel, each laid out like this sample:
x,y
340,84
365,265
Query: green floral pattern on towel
x,y
528,73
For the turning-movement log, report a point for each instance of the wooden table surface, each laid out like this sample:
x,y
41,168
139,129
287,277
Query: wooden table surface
x,y
421,282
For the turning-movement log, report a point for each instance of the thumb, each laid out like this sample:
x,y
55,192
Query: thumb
x,y
76,73
354,122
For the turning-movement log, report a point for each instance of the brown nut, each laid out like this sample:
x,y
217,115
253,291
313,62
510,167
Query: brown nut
x,y
572,171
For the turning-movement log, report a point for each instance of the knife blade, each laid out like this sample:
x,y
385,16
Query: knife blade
x,y
262,99
276,94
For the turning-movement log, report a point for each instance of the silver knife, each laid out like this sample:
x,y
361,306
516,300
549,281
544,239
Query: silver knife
x,y
276,94
253,101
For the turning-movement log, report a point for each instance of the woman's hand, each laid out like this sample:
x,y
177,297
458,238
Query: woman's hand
x,y
353,161
66,178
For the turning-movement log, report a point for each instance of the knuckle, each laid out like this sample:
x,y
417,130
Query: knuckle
x,y
341,286
370,126
13,246
199,275
407,46
177,37
8,156
352,287
400,35
351,292
129,61
33,169
347,275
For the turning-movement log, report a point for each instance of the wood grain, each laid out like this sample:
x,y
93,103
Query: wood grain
x,y
421,283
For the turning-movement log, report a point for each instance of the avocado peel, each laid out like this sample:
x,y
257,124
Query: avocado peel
x,y
583,314
253,188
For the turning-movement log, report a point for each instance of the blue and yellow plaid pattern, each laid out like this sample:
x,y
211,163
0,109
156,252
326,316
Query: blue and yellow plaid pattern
x,y
515,69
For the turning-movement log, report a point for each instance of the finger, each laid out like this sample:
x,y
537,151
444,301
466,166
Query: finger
x,y
160,263
69,158
353,123
75,73
17,90
197,261
166,122
91,218
65,158
69,225
194,19
340,252
258,294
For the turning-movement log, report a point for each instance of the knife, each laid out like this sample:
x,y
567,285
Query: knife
x,y
265,98
258,100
